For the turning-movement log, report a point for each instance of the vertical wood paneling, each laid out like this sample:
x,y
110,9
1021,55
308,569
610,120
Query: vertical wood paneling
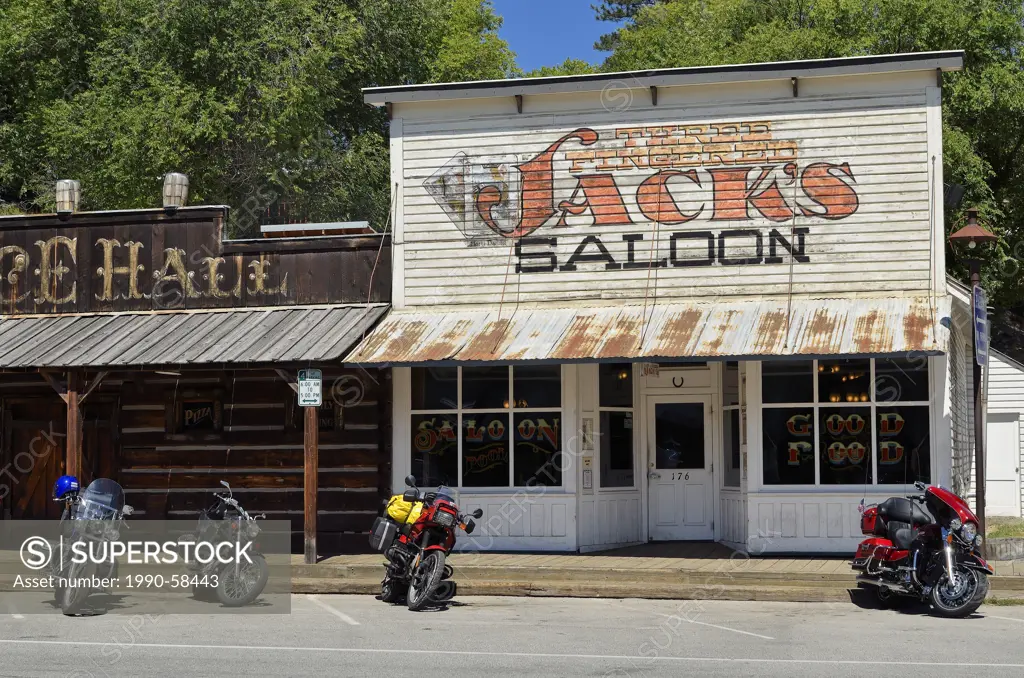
x,y
834,519
812,520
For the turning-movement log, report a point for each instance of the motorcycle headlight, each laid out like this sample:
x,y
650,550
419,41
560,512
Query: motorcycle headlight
x,y
978,541
954,524
969,531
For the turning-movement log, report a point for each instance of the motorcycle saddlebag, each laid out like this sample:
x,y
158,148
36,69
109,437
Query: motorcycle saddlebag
x,y
383,533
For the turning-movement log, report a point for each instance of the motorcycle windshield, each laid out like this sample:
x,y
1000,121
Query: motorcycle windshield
x,y
445,492
102,500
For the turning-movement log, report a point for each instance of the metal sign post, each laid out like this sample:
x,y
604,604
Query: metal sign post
x,y
310,398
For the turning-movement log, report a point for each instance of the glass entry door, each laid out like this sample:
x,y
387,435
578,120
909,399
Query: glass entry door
x,y
679,467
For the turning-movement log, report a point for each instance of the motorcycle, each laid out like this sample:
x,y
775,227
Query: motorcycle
x,y
96,516
232,584
416,534
925,547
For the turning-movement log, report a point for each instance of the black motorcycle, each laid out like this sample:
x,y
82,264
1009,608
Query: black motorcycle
x,y
232,584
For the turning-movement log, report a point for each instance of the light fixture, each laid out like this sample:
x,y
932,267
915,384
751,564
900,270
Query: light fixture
x,y
624,374
973,233
167,373
175,191
68,193
505,404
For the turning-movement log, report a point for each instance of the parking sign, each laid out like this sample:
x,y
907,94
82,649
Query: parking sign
x,y
310,388
980,325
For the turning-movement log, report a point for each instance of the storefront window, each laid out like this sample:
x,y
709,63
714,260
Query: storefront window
x,y
903,453
788,435
615,402
435,388
435,459
846,432
787,381
844,440
508,428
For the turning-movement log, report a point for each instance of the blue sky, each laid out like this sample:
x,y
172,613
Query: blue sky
x,y
547,32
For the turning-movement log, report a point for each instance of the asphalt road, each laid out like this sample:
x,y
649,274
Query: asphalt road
x,y
360,636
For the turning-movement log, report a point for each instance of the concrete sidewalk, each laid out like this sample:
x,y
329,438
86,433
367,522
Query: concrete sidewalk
x,y
676,570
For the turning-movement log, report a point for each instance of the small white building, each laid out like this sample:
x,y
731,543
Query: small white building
x,y
1003,448
689,304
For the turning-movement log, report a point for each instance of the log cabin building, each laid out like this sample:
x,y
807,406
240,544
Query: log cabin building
x,y
142,346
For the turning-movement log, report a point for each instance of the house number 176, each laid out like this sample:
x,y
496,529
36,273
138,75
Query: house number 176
x,y
680,476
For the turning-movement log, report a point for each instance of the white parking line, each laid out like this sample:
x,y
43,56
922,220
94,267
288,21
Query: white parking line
x,y
714,626
1006,618
337,613
522,655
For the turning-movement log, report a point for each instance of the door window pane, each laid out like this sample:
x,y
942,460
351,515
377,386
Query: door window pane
x,y
788,445
679,435
435,388
845,445
537,385
538,441
897,379
616,384
731,383
434,449
485,388
787,381
616,436
903,449
732,448
485,460
844,381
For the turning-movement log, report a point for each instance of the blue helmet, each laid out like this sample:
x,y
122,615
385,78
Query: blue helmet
x,y
65,488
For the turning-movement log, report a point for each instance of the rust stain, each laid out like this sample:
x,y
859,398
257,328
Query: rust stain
x,y
865,332
820,333
770,333
396,340
622,338
447,344
578,341
915,328
482,346
677,333
713,345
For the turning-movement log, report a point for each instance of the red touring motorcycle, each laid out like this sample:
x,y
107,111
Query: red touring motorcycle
x,y
416,534
926,547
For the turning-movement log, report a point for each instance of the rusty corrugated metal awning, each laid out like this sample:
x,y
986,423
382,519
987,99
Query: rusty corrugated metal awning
x,y
200,337
853,326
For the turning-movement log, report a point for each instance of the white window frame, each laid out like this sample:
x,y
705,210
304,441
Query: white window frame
x,y
512,411
873,405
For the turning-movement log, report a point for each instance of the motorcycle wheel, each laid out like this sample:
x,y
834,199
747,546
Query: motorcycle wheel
x,y
425,580
390,590
242,588
964,598
73,597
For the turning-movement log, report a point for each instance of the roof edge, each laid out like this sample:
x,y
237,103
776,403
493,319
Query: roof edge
x,y
950,60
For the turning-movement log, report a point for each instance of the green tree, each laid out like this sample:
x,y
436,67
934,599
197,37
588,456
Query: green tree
x,y
567,67
258,101
983,106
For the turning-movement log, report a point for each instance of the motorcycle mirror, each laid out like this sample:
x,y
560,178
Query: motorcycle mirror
x,y
225,484
479,513
410,480
127,510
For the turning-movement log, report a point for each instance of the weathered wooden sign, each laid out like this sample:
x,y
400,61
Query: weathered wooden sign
x,y
149,261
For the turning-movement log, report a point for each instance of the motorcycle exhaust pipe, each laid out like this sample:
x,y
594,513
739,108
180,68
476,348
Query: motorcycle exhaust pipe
x,y
876,582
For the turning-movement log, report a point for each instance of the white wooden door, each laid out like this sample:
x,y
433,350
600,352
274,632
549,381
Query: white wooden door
x,y
679,439
1002,466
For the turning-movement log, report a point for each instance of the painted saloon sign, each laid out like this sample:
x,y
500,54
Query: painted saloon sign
x,y
653,178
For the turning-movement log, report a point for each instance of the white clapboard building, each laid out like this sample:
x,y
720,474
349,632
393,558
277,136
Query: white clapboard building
x,y
687,304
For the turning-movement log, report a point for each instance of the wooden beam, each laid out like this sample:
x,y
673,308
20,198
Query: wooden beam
x,y
56,384
289,378
74,428
654,95
519,103
96,381
796,87
311,463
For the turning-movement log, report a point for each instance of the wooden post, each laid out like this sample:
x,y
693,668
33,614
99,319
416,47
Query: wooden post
x,y
310,481
74,429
